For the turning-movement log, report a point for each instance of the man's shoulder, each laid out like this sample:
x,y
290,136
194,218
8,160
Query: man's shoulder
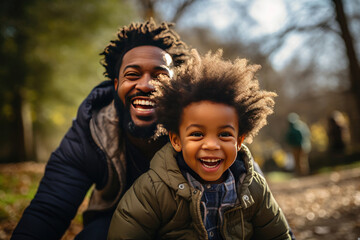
x,y
99,97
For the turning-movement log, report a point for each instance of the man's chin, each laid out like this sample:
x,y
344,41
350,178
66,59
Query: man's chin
x,y
144,130
142,124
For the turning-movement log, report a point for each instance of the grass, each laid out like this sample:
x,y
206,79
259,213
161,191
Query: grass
x,y
18,187
339,167
17,190
280,176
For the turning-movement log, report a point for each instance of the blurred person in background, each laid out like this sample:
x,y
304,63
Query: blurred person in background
x,y
298,138
338,133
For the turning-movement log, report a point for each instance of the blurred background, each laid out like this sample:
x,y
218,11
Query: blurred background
x,y
309,51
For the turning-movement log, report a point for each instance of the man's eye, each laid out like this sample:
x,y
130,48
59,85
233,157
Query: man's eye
x,y
161,73
132,75
196,134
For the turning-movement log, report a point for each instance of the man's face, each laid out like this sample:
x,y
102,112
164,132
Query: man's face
x,y
208,138
139,66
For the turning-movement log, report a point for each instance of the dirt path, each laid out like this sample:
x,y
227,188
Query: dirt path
x,y
325,206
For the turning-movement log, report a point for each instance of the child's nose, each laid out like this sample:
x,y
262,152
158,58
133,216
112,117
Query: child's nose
x,y
211,143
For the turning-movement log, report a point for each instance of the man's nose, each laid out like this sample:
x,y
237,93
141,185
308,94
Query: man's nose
x,y
144,83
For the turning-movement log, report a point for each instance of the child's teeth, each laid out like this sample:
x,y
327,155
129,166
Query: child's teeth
x,y
210,163
210,160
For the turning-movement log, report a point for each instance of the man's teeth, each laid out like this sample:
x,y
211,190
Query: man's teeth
x,y
143,102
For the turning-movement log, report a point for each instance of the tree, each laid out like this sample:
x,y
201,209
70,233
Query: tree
x,y
45,47
346,36
331,46
148,9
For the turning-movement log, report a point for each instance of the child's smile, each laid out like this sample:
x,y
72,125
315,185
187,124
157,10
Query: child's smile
x,y
208,138
210,163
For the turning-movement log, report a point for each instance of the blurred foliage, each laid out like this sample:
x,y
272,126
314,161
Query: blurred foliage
x,y
49,53
319,137
279,157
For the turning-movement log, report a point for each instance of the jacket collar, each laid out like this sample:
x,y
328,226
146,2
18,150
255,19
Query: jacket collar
x,y
244,194
165,165
100,96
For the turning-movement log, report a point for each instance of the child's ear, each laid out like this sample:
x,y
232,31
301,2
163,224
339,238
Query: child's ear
x,y
175,141
240,141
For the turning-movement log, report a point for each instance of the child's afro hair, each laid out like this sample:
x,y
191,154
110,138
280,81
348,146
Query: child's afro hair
x,y
214,79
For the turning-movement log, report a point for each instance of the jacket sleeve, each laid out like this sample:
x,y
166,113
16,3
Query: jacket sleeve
x,y
62,189
269,221
137,215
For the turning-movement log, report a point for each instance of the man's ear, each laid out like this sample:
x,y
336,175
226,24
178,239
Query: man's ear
x,y
116,81
175,141
240,141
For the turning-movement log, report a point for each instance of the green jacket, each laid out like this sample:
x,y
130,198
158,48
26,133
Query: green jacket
x,y
162,205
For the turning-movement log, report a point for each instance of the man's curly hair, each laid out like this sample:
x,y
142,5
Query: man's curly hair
x,y
214,79
140,34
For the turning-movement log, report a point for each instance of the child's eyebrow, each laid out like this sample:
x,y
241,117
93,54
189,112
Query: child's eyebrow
x,y
200,126
193,125
227,126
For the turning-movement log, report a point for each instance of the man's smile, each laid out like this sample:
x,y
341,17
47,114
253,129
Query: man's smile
x,y
143,107
143,104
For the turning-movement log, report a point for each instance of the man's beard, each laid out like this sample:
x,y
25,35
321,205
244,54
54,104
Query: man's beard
x,y
128,125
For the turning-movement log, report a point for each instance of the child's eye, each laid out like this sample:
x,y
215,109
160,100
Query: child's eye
x,y
196,134
225,134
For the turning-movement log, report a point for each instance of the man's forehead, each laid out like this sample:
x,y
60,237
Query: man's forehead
x,y
147,55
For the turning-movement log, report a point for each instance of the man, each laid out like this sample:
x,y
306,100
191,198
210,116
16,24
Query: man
x,y
110,142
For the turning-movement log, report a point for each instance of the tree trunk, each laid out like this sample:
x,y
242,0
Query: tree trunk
x,y
354,68
18,141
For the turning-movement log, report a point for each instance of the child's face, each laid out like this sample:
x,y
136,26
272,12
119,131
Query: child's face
x,y
208,138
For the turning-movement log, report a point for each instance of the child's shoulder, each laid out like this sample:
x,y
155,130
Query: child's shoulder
x,y
149,179
259,186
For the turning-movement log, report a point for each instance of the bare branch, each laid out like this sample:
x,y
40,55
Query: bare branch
x,y
181,9
324,25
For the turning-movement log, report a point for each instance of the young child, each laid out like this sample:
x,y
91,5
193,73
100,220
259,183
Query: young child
x,y
202,185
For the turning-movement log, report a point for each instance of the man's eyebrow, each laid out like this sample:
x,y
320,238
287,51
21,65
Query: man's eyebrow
x,y
155,68
162,67
131,66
